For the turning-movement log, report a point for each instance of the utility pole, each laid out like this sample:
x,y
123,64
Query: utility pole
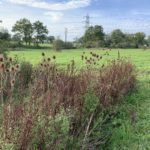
x,y
87,21
66,34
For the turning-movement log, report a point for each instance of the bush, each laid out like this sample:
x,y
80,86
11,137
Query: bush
x,y
58,45
69,45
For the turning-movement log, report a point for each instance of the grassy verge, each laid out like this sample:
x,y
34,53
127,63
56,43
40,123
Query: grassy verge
x,y
134,131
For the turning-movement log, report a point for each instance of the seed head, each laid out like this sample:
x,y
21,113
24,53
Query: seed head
x,y
12,69
12,82
1,59
7,70
54,57
10,59
2,66
48,59
82,57
17,66
43,54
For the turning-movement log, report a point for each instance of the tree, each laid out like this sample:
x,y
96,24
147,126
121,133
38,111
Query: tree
x,y
40,32
50,39
4,36
117,38
148,41
17,38
25,29
139,38
94,36
58,44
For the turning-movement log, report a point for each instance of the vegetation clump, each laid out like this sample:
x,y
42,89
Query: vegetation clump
x,y
63,108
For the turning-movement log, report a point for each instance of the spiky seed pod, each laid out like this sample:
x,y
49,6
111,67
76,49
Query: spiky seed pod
x,y
12,69
54,57
83,53
48,59
43,54
10,59
2,66
82,57
17,67
85,58
7,70
45,65
1,59
41,65
12,83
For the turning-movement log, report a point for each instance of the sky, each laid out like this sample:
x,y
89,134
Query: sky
x,y
128,15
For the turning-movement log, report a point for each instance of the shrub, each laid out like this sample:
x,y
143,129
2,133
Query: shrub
x,y
58,45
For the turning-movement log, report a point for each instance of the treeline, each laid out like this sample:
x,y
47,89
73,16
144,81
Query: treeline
x,y
26,33
95,37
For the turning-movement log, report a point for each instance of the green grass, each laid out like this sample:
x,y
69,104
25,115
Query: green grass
x,y
139,57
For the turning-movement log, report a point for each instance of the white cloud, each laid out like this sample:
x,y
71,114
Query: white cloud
x,y
54,16
65,5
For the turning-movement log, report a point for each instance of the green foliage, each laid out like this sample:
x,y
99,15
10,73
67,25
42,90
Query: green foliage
x,y
24,28
26,70
93,37
58,45
5,36
90,102
40,32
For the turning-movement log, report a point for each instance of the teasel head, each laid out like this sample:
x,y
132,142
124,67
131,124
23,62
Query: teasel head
x,y
10,59
82,57
43,54
7,70
13,69
17,67
1,59
48,59
45,65
12,83
54,57
2,66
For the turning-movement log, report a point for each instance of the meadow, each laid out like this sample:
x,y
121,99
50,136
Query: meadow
x,y
139,57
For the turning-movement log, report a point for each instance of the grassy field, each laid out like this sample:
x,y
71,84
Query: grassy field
x,y
139,57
